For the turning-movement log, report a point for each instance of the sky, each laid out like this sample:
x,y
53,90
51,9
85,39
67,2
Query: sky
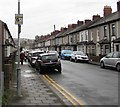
x,y
40,16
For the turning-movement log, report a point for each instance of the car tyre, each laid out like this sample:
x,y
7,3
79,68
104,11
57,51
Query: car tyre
x,y
40,70
75,59
102,64
59,69
71,59
118,67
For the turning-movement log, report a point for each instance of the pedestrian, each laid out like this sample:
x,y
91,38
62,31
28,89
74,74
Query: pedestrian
x,y
22,56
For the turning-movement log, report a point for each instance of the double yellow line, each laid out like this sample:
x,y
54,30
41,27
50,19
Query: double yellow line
x,y
64,92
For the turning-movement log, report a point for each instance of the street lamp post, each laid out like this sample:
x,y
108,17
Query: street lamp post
x,y
18,69
19,21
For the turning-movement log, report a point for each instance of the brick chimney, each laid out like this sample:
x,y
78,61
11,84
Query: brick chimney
x,y
87,21
63,29
95,17
118,6
79,23
70,26
55,32
107,10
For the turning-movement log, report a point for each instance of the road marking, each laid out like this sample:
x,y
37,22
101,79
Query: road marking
x,y
64,92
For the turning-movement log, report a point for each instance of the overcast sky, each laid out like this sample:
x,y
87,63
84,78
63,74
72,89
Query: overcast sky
x,y
40,16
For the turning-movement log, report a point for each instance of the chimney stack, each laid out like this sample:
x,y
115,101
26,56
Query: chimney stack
x,y
70,26
79,23
87,21
107,10
63,29
118,6
95,17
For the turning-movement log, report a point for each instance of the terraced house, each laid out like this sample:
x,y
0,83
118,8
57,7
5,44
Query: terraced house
x,y
7,47
96,37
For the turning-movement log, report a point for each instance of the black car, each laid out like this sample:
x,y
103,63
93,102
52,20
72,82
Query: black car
x,y
48,61
33,56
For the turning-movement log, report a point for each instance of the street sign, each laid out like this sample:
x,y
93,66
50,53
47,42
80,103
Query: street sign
x,y
18,19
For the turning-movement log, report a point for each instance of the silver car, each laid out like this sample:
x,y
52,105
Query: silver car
x,y
111,60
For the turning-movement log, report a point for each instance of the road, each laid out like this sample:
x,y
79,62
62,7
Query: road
x,y
90,83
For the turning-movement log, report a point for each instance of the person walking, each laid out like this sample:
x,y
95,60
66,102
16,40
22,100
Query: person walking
x,y
22,56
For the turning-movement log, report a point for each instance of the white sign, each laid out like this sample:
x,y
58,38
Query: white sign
x,y
19,19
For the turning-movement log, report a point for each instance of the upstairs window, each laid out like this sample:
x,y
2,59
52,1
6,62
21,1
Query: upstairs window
x,y
81,36
98,35
86,35
105,31
91,36
113,29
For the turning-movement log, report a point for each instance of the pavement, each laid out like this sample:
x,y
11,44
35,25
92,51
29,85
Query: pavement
x,y
34,91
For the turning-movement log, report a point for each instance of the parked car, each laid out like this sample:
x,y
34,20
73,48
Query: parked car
x,y
111,60
79,56
66,54
33,56
48,61
53,52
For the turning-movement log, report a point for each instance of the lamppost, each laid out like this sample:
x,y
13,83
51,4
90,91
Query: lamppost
x,y
19,21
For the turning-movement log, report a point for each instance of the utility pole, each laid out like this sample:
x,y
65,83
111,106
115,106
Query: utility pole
x,y
19,21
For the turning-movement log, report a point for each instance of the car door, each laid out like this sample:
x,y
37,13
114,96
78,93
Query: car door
x,y
108,59
114,59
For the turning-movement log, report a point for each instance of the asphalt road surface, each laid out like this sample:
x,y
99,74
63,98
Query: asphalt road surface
x,y
95,86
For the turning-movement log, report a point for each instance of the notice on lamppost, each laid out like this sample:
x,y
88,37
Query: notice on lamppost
x,y
19,19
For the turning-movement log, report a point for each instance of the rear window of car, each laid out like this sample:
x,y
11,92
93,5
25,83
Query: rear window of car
x,y
67,52
49,57
37,53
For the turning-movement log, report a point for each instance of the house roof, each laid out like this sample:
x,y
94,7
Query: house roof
x,y
59,34
110,18
82,27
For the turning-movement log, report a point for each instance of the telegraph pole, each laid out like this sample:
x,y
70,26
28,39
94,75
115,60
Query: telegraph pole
x,y
19,21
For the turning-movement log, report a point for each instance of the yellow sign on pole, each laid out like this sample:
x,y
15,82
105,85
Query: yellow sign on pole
x,y
18,19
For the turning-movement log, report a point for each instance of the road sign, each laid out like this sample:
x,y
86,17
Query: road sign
x,y
18,19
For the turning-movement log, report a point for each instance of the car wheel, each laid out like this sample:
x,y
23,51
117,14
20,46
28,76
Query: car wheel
x,y
102,64
75,59
59,69
40,70
71,59
118,67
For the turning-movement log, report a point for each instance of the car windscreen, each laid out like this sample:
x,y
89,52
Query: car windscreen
x,y
49,57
